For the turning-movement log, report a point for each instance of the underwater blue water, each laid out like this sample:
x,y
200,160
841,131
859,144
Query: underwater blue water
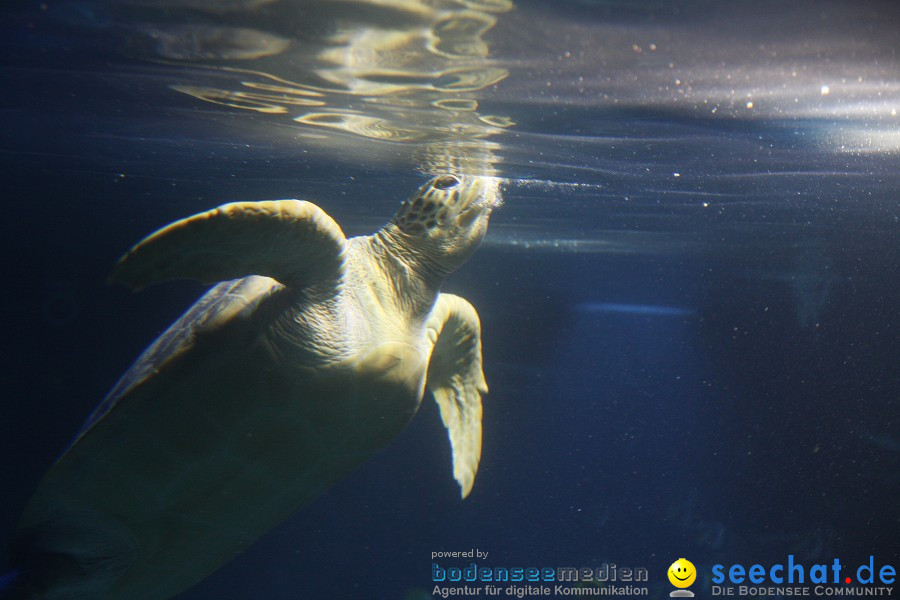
x,y
689,298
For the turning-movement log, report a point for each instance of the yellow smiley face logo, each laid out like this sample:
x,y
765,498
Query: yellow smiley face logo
x,y
682,573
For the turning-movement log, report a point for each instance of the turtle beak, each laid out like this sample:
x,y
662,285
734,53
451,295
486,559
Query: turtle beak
x,y
478,194
473,212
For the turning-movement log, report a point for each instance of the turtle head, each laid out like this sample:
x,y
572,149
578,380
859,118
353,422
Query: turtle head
x,y
445,220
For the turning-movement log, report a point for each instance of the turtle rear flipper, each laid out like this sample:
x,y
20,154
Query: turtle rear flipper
x,y
76,554
292,241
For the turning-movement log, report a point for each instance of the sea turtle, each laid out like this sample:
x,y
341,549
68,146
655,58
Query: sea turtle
x,y
267,391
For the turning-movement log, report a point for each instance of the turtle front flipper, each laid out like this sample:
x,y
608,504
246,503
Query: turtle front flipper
x,y
457,382
291,241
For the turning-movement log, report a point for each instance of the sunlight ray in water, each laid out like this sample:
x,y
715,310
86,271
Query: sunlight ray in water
x,y
639,310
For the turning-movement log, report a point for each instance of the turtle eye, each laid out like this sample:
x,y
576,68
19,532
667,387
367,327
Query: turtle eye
x,y
445,182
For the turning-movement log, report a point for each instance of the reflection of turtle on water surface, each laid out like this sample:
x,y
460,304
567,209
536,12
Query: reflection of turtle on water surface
x,y
266,392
